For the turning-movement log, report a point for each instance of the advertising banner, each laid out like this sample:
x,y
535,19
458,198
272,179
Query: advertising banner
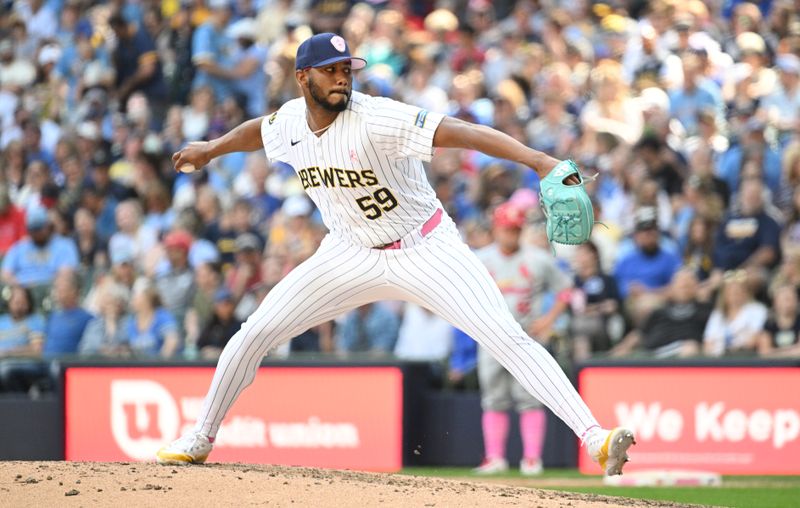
x,y
730,420
335,417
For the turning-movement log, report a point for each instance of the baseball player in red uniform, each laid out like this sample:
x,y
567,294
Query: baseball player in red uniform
x,y
359,158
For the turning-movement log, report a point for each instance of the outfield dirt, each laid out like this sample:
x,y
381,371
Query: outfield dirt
x,y
138,484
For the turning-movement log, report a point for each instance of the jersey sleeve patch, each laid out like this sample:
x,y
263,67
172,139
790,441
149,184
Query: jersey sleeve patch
x,y
272,117
420,120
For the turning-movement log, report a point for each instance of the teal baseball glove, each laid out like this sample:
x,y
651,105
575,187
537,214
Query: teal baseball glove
x,y
567,207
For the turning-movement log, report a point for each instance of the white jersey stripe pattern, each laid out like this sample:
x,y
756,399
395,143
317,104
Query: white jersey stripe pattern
x,y
439,273
365,171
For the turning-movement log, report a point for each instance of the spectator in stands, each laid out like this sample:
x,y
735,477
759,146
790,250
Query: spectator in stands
x,y
423,335
34,260
371,329
594,305
134,236
676,329
753,150
748,236
699,246
294,236
176,286
643,274
105,335
152,331
208,281
21,330
68,320
108,192
790,236
263,200
12,221
221,327
246,273
224,231
137,65
782,105
210,46
40,20
692,97
246,72
91,249
660,163
462,367
611,110
781,334
159,215
101,206
554,130
736,321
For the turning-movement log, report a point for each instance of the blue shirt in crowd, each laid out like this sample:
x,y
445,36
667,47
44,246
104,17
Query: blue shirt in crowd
x,y
464,357
652,272
209,44
685,104
253,86
17,334
148,342
729,168
34,266
64,330
376,331
739,237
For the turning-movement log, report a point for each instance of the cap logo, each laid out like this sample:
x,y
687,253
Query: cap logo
x,y
338,43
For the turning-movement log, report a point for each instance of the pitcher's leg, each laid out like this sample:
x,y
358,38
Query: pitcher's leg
x,y
330,282
448,279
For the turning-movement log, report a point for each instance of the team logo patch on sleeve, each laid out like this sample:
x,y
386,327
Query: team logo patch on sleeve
x,y
420,120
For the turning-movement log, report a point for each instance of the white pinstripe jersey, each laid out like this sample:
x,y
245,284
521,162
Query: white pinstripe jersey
x,y
365,171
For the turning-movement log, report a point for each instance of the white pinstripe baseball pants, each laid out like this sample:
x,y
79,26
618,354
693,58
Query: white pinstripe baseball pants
x,y
438,272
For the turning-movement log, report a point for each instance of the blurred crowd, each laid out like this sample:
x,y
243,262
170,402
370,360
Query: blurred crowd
x,y
687,112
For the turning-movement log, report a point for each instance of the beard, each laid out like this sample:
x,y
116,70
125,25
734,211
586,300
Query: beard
x,y
320,98
650,250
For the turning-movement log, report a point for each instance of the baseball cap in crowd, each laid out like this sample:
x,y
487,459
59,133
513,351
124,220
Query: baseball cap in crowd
x,y
751,42
223,294
247,241
296,206
178,239
121,253
88,130
524,199
508,215
49,54
683,23
219,4
325,49
36,218
245,28
101,158
788,63
646,218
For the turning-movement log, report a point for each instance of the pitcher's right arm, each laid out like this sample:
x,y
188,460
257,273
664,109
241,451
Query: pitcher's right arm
x,y
244,138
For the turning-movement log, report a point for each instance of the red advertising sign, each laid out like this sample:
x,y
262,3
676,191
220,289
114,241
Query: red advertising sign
x,y
730,420
336,417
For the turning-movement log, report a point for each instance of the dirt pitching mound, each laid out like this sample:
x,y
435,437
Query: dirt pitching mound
x,y
139,484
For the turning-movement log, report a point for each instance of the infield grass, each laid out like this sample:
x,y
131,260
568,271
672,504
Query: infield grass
x,y
736,491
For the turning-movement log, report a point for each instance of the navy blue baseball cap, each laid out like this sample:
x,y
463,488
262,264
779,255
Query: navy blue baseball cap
x,y
325,49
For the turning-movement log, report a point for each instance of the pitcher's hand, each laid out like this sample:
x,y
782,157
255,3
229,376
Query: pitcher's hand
x,y
194,154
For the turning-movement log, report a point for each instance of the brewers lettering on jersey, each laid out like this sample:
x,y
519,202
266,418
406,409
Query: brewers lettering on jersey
x,y
360,158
